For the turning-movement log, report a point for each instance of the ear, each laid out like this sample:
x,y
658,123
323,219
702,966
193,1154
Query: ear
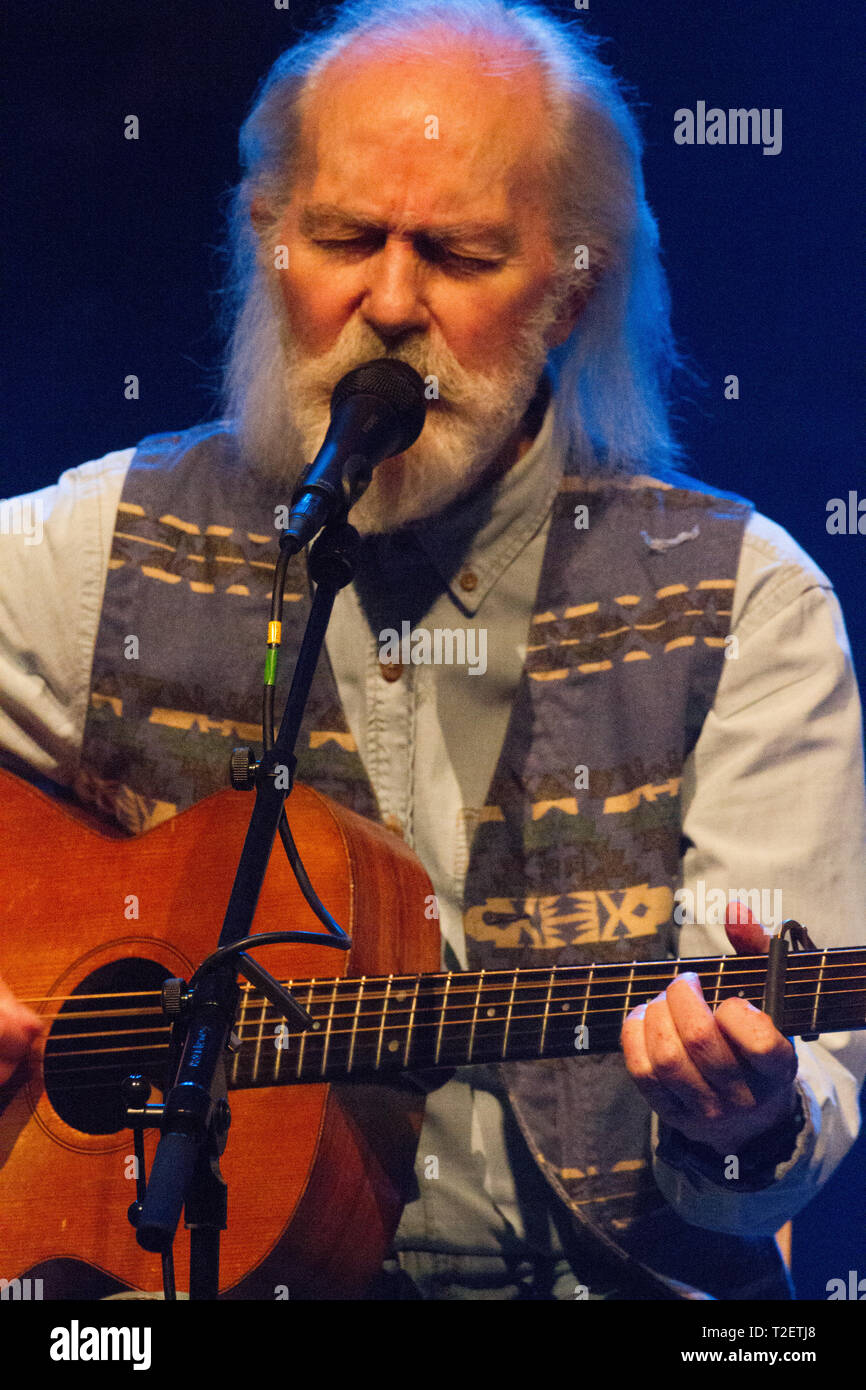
x,y
260,215
577,297
570,311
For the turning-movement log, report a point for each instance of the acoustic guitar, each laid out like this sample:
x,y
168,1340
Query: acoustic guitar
x,y
321,1149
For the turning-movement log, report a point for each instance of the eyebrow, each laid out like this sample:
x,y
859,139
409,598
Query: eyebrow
x,y
321,218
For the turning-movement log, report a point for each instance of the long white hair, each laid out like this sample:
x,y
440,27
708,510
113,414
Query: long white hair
x,y
611,376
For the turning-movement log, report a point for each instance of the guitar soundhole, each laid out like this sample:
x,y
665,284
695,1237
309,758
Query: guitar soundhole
x,y
111,1026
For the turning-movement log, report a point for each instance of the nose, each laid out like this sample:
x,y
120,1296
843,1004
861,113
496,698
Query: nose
x,y
393,303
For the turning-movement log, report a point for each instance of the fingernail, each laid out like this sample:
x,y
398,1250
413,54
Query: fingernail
x,y
692,980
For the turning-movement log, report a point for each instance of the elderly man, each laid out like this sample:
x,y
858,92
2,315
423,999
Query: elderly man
x,y
459,187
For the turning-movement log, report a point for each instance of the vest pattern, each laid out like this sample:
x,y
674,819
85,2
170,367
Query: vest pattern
x,y
576,854
193,555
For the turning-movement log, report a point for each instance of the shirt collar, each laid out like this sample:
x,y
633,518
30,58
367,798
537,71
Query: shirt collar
x,y
473,542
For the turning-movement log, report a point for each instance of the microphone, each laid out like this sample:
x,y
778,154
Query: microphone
x,y
377,411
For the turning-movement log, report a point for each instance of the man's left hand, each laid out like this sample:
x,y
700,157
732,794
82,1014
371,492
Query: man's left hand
x,y
720,1078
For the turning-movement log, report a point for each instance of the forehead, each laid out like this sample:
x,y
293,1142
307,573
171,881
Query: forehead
x,y
413,139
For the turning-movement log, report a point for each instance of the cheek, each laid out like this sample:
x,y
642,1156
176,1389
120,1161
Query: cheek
x,y
316,307
481,327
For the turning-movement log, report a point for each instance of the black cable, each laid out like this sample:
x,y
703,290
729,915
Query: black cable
x,y
303,673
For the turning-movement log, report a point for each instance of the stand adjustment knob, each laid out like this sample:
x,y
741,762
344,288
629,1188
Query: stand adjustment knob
x,y
173,997
242,769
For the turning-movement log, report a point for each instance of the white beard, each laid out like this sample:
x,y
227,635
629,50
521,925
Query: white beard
x,y
466,427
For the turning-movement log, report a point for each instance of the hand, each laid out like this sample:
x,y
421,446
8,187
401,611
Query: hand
x,y
20,1029
721,1079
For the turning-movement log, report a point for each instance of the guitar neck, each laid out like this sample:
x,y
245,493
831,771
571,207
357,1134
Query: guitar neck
x,y
379,1026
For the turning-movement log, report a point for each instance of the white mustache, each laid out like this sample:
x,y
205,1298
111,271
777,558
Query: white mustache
x,y
456,388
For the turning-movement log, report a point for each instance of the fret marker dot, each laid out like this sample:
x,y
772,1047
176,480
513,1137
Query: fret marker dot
x,y
566,1008
401,996
491,1013
316,1024
393,1045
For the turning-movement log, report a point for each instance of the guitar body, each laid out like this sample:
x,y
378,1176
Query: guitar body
x,y
317,1174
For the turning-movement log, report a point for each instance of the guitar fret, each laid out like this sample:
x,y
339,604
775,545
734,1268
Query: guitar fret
x,y
378,1062
508,1014
475,1015
546,1017
236,1060
410,1025
328,1026
586,995
627,1010
304,1033
280,1038
442,1017
258,1057
814,1024
355,1023
719,971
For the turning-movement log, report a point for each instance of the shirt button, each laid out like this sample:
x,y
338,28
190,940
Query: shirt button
x,y
390,670
392,822
469,580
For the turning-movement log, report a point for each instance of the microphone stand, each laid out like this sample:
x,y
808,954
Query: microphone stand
x,y
195,1116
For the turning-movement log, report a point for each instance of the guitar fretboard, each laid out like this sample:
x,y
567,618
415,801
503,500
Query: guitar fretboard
x,y
377,1026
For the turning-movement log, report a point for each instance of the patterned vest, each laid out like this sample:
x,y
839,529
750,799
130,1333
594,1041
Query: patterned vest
x,y
623,659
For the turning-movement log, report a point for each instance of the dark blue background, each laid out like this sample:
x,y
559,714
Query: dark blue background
x,y
112,248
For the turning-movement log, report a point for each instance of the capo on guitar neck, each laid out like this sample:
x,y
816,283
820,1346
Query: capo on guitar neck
x,y
777,964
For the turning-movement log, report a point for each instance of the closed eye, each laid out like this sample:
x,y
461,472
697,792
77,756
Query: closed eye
x,y
461,264
433,252
349,244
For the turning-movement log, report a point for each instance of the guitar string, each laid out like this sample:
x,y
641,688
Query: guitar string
x,y
434,1006
754,965
454,1003
256,1032
56,1083
461,999
248,1044
339,1034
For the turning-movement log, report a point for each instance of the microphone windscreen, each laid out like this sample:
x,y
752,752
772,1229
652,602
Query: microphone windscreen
x,y
393,382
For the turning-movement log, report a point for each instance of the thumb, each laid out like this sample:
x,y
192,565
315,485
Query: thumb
x,y
744,931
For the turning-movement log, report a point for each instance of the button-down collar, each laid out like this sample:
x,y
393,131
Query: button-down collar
x,y
471,543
